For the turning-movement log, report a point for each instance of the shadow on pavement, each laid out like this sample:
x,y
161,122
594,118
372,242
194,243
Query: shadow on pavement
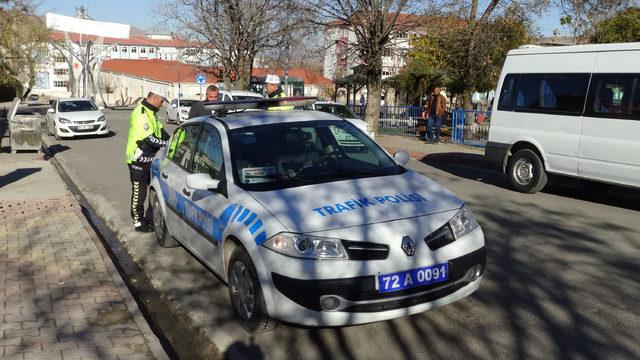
x,y
17,175
475,167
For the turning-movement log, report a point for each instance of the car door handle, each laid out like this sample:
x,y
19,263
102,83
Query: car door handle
x,y
164,175
186,192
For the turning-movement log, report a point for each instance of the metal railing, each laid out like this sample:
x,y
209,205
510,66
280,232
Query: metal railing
x,y
470,127
395,120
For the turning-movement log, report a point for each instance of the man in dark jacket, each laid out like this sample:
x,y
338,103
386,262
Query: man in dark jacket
x,y
212,96
434,112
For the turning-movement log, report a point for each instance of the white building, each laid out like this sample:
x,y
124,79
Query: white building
x,y
53,77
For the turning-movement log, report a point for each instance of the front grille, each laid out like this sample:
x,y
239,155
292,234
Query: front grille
x,y
307,293
365,250
82,122
439,238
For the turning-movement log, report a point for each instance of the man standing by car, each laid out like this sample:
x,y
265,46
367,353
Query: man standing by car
x,y
146,137
434,111
197,109
274,91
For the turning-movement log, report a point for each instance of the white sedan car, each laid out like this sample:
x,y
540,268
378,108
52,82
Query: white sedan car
x,y
306,231
74,117
344,112
178,110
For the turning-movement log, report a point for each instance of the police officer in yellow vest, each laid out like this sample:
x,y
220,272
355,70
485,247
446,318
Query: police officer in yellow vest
x,y
274,90
146,137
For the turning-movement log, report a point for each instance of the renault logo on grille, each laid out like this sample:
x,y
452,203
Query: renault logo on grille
x,y
408,245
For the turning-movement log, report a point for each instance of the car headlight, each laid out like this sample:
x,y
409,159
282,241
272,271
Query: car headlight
x,y
463,222
64,121
306,246
101,118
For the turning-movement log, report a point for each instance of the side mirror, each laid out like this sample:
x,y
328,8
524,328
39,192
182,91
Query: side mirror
x,y
50,111
401,157
100,107
174,105
202,182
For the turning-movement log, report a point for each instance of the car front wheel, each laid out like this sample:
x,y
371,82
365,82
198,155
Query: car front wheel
x,y
246,294
162,235
526,172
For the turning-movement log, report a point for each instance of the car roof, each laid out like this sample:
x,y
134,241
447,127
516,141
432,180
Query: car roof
x,y
74,99
327,103
242,119
575,48
245,93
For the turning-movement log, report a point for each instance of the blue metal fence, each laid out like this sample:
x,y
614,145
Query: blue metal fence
x,y
395,120
474,132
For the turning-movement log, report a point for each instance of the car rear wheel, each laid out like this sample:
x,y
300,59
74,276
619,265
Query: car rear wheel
x,y
162,235
246,294
526,172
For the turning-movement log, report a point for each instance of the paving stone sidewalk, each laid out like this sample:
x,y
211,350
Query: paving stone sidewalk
x,y
60,295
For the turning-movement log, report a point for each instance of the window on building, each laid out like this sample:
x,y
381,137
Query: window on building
x,y
115,49
60,84
386,72
386,52
401,35
134,49
152,50
123,49
60,71
143,50
59,58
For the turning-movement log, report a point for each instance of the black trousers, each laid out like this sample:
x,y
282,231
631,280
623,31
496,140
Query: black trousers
x,y
139,175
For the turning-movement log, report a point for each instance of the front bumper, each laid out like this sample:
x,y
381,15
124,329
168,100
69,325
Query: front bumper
x,y
71,130
359,294
496,154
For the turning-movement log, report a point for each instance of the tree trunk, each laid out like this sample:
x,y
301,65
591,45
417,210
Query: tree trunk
x,y
467,104
372,112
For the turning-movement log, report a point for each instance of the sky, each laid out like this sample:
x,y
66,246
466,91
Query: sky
x,y
139,13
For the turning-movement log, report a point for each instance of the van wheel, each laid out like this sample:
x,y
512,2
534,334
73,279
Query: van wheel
x,y
246,294
162,235
526,172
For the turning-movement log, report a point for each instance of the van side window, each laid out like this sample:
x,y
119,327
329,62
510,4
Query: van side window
x,y
615,95
552,93
508,91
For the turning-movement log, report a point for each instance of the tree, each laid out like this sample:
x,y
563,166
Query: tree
x,y
583,16
230,33
23,44
624,26
374,23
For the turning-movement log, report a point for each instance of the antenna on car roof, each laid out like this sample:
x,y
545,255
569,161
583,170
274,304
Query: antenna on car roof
x,y
221,107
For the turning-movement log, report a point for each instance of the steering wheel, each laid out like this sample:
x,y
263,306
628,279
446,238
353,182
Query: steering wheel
x,y
327,155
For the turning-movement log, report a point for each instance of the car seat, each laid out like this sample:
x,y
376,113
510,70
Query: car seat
x,y
297,153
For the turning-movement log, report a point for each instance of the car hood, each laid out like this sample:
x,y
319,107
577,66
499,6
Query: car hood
x,y
357,202
81,115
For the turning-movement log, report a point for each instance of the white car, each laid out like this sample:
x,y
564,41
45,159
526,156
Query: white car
x,y
226,95
74,117
303,230
178,110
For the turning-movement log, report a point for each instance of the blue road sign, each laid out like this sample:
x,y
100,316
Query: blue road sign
x,y
201,79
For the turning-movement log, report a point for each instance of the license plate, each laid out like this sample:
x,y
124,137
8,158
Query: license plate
x,y
85,127
412,278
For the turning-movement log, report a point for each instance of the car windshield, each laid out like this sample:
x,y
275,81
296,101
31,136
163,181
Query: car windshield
x,y
76,105
279,156
187,103
337,110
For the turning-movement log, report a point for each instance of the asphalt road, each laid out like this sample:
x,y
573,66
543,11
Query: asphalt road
x,y
562,279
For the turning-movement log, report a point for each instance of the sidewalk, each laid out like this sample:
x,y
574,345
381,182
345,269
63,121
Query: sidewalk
x,y
60,295
442,152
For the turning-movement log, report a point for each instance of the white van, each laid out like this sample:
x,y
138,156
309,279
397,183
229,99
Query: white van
x,y
572,111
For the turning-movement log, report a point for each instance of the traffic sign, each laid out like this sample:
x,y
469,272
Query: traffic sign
x,y
201,79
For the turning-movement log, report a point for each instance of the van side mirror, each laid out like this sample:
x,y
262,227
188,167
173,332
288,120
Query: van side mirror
x,y
202,182
50,111
401,157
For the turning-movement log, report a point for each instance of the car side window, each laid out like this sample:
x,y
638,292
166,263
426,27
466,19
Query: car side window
x,y
183,144
615,96
552,93
208,158
509,86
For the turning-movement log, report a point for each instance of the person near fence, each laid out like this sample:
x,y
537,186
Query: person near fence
x,y
434,112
